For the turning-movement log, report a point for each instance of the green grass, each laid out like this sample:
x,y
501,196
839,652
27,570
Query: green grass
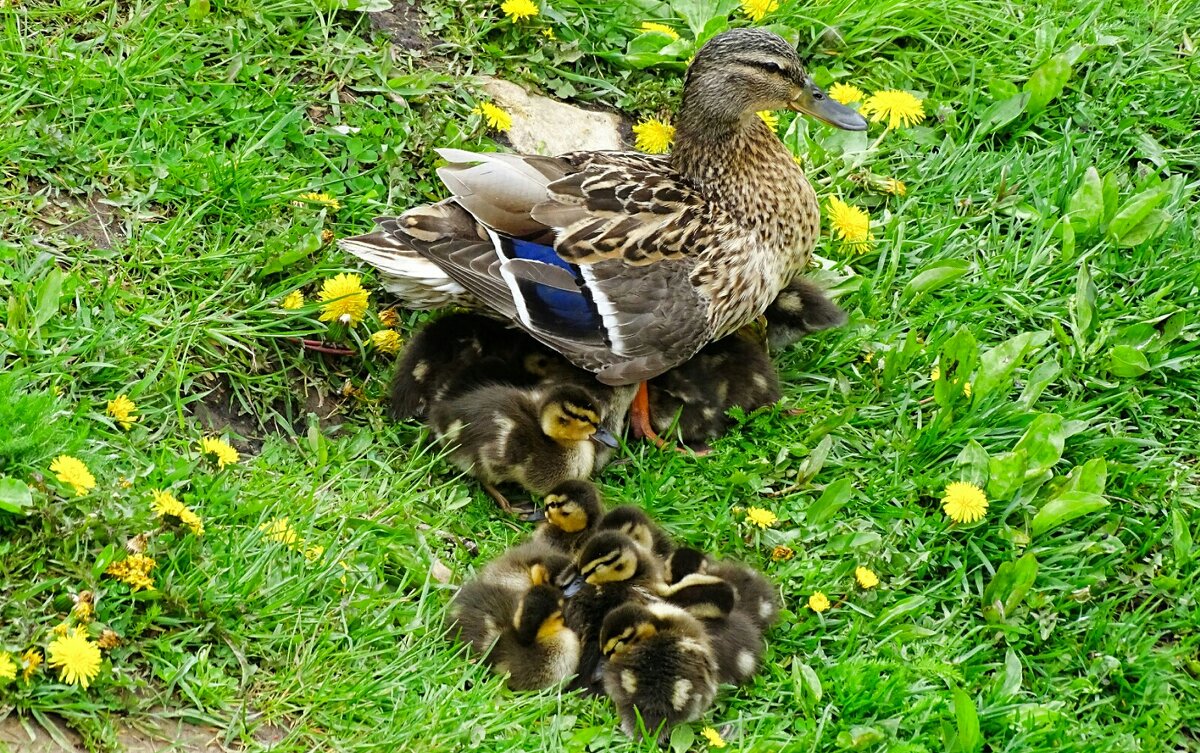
x,y
202,129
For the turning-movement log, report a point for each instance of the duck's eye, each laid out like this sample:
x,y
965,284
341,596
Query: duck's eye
x,y
773,67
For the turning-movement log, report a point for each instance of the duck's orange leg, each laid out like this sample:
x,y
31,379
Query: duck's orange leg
x,y
639,419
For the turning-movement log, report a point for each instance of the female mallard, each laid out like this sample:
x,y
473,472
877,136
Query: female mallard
x,y
628,263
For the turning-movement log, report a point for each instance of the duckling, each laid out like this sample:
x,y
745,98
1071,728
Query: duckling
x,y
536,650
800,309
535,437
612,570
660,667
451,354
757,597
636,524
695,397
573,513
482,608
737,641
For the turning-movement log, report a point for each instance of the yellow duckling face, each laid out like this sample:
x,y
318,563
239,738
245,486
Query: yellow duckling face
x,y
608,558
565,513
624,628
570,416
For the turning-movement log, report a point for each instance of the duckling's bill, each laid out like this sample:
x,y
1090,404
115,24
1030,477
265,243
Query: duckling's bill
x,y
815,102
605,437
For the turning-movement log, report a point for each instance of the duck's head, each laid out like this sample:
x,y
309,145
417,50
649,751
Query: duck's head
x,y
625,627
571,414
632,522
684,562
704,596
742,71
539,615
608,557
574,506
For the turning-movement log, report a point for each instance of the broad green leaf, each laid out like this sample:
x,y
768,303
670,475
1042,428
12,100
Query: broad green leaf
x,y
682,738
1001,113
1010,680
697,13
1006,473
1064,508
966,718
1149,227
971,465
846,542
1042,443
1089,477
1038,380
997,365
1067,229
1173,326
1049,80
1086,205
834,498
1134,211
15,496
424,82
900,608
815,460
811,682
278,262
198,9
1008,588
1127,361
1181,538
956,361
1111,195
1084,309
49,290
860,737
1137,336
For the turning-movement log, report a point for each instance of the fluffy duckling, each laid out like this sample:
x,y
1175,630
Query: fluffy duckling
x,y
536,650
573,511
454,353
535,437
695,398
800,309
483,606
612,570
737,641
637,525
660,667
757,597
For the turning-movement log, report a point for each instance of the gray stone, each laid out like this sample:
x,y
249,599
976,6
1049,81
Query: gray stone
x,y
541,125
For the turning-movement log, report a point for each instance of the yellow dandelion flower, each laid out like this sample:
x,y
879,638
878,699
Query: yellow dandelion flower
x,y
8,669
782,553
660,28
108,640
322,198
760,517
314,552
165,505
293,300
966,389
868,357
818,602
755,10
935,373
280,531
770,118
30,661
134,570
549,34
495,117
343,299
389,318
221,450
518,10
76,657
85,607
866,577
60,629
850,224
895,187
123,411
713,737
896,106
846,93
964,502
654,136
386,340
72,472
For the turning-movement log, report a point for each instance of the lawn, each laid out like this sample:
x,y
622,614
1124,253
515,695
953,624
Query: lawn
x,y
1045,252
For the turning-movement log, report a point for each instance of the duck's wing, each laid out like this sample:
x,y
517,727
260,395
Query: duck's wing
x,y
592,253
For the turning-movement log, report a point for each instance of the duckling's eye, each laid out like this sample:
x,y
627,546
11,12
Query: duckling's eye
x,y
563,420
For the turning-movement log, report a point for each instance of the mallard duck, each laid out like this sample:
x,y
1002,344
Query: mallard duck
x,y
800,309
660,667
628,263
695,397
485,605
757,597
637,525
535,437
536,650
737,641
573,511
612,570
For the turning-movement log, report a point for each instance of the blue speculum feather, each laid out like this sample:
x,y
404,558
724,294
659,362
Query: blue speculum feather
x,y
553,308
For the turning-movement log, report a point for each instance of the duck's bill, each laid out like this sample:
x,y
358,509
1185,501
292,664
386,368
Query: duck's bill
x,y
536,515
574,586
815,102
605,437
